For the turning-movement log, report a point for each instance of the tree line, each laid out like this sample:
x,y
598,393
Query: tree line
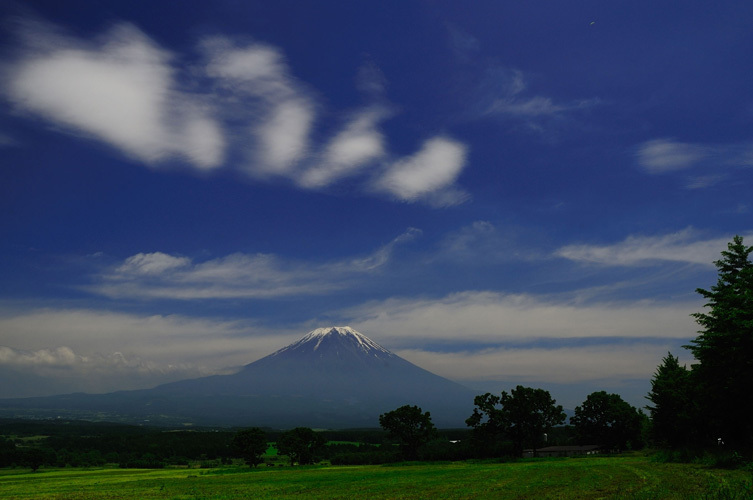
x,y
499,426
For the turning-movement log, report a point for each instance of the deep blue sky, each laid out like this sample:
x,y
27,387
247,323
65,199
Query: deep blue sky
x,y
500,192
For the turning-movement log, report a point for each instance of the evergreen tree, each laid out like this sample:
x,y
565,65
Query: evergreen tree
x,y
674,410
724,349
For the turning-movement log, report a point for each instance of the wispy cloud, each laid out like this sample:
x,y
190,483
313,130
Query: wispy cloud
x,y
238,99
159,275
6,141
463,44
371,80
486,317
665,155
566,365
683,246
505,93
662,156
484,243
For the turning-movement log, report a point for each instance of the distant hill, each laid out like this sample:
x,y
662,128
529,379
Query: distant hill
x,y
333,377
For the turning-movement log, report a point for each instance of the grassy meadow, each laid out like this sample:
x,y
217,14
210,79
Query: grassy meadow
x,y
629,477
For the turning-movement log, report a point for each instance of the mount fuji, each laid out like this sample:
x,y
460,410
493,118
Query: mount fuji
x,y
333,377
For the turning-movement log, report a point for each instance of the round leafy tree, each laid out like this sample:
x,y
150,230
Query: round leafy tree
x,y
410,426
251,444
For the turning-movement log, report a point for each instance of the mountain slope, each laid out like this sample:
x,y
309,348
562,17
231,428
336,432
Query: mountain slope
x,y
332,377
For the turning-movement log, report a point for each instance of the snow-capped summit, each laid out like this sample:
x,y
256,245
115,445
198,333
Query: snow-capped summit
x,y
338,338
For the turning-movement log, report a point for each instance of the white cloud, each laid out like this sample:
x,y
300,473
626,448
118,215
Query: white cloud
x,y
665,155
108,350
491,317
683,246
429,172
126,91
160,275
151,263
61,360
60,370
121,90
358,144
61,356
284,136
96,334
257,68
285,113
661,156
566,365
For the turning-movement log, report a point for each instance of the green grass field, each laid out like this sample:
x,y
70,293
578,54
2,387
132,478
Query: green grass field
x,y
630,477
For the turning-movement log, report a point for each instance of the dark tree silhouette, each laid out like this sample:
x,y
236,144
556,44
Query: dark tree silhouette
x,y
251,444
31,457
607,420
674,411
524,416
301,445
410,426
724,349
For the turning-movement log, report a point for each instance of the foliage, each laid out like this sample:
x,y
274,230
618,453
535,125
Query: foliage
x,y
724,349
674,412
411,427
31,457
524,416
91,444
363,454
302,445
251,444
609,421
